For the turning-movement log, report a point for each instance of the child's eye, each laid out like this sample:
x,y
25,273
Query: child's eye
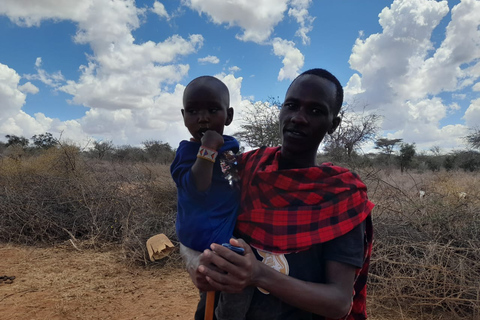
x,y
213,110
192,111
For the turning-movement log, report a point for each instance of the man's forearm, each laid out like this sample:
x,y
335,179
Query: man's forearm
x,y
332,300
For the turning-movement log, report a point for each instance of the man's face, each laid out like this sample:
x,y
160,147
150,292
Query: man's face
x,y
205,108
307,114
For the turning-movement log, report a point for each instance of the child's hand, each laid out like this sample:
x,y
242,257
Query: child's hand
x,y
212,140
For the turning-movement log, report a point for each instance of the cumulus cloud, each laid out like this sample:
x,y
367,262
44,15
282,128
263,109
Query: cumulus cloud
x,y
208,59
292,61
400,71
13,120
28,88
472,115
159,9
122,81
299,10
476,86
257,18
11,97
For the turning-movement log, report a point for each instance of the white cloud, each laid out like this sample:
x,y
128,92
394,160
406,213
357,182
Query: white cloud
x,y
476,87
299,11
257,18
472,115
400,71
208,59
159,9
11,97
28,88
53,80
234,69
15,121
32,12
292,61
125,84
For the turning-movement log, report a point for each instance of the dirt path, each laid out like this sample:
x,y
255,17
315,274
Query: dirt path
x,y
62,283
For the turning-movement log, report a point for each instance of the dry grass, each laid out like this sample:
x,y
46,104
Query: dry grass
x,y
426,255
425,262
58,196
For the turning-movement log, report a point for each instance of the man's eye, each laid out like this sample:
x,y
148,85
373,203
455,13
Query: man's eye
x,y
213,110
192,111
289,105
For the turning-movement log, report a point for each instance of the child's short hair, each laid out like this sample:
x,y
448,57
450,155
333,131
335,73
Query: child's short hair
x,y
218,82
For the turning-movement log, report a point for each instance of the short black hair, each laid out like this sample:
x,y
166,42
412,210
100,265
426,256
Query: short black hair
x,y
322,73
223,89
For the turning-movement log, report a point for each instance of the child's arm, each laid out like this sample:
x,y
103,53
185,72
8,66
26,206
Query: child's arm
x,y
202,169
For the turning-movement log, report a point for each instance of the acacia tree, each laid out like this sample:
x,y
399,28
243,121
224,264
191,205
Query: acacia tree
x,y
354,130
260,124
159,151
102,148
473,140
44,141
386,146
13,140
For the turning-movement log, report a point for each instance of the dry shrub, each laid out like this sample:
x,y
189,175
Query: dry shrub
x,y
426,254
58,196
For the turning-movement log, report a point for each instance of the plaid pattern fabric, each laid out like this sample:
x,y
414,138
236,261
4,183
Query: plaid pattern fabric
x,y
286,211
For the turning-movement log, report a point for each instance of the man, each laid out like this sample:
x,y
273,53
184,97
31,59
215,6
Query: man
x,y
309,226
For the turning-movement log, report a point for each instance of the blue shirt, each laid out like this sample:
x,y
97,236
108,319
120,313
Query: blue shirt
x,y
205,217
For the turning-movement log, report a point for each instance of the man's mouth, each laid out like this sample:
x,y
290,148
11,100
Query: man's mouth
x,y
294,132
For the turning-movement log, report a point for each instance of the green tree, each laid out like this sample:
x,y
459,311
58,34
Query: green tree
x,y
386,146
260,125
44,141
13,140
407,152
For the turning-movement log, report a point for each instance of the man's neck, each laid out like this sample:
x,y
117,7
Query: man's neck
x,y
287,161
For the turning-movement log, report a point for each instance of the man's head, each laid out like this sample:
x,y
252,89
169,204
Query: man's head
x,y
310,111
206,106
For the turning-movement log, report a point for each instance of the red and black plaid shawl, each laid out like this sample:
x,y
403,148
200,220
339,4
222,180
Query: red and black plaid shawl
x,y
285,211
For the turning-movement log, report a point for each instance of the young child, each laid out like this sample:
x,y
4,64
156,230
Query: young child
x,y
207,204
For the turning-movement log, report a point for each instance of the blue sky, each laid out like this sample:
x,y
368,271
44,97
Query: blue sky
x,y
115,70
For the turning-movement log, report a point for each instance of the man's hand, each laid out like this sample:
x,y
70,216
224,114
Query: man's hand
x,y
235,271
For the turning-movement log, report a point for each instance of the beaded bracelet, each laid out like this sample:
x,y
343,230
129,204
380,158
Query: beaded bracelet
x,y
207,154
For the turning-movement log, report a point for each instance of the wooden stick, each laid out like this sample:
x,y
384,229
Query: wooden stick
x,y
210,305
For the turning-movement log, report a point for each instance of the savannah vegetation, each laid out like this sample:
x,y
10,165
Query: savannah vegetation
x,y
426,255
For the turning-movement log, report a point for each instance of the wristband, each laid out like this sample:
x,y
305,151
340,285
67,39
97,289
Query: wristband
x,y
207,154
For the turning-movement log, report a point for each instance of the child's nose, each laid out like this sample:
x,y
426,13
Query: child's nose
x,y
203,116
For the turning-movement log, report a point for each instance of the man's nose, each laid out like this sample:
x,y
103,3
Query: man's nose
x,y
299,116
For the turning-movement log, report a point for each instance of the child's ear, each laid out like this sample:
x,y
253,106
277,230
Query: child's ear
x,y
229,116
335,123
183,113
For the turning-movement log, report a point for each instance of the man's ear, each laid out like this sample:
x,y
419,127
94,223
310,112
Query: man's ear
x,y
229,116
335,123
183,113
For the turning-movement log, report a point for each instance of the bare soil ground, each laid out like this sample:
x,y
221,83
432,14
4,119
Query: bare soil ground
x,y
63,283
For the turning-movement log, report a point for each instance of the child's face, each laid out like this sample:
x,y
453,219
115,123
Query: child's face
x,y
205,107
307,114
